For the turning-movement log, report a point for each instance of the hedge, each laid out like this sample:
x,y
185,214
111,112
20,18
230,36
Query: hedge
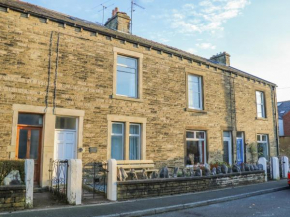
x,y
6,166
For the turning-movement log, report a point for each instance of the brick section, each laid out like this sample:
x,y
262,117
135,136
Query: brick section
x,y
85,82
160,187
12,198
286,123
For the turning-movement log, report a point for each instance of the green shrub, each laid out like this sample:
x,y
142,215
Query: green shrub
x,y
6,166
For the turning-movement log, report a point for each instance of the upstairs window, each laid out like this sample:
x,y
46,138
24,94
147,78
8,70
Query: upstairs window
x,y
195,92
127,76
260,100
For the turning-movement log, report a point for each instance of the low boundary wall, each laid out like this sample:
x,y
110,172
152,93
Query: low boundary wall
x,y
159,187
12,197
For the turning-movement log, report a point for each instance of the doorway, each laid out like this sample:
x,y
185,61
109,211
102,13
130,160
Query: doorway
x,y
65,138
29,140
227,142
240,148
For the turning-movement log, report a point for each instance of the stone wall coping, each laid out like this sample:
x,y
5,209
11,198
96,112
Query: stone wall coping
x,y
12,187
129,182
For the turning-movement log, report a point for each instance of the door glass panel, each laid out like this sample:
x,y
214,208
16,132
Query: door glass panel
x,y
65,123
34,144
30,119
23,136
226,152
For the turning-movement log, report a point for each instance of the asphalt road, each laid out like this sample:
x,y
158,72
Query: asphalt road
x,y
272,204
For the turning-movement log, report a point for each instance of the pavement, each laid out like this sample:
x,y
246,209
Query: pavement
x,y
157,205
271,204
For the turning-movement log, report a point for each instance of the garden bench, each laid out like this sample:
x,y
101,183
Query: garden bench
x,y
136,166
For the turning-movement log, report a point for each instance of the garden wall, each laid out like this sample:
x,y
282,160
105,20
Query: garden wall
x,y
159,187
12,197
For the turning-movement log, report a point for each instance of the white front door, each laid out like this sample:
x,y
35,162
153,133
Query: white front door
x,y
65,144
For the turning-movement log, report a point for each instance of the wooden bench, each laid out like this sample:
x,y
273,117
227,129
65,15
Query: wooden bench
x,y
139,166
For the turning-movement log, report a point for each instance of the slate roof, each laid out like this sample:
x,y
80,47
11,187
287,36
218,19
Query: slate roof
x,y
283,108
38,11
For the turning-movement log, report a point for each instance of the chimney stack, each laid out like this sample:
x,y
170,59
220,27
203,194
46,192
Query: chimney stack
x,y
119,21
222,58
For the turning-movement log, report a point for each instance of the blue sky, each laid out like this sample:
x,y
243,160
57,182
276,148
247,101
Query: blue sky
x,y
256,33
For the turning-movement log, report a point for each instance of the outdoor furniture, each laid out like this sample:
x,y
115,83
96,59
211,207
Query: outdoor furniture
x,y
137,166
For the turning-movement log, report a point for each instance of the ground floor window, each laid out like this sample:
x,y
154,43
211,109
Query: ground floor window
x,y
227,143
195,147
262,141
120,138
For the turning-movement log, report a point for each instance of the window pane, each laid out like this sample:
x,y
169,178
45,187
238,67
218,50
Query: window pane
x,y
127,61
193,78
23,136
134,143
134,129
264,137
117,128
126,70
34,144
117,148
189,134
262,150
66,123
227,134
126,84
258,138
194,152
30,119
196,100
240,134
200,135
258,97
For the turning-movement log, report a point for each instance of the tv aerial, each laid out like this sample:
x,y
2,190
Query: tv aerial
x,y
133,5
104,7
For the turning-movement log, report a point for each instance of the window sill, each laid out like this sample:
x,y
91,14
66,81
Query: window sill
x,y
125,98
262,119
195,110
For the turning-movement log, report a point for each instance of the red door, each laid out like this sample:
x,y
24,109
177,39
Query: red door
x,y
29,147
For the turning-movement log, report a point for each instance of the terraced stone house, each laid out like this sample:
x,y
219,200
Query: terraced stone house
x,y
75,89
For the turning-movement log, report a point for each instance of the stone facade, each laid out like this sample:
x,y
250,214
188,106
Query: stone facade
x,y
12,198
85,77
160,187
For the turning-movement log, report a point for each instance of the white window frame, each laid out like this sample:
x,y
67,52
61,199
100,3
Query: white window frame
x,y
260,141
136,77
136,135
200,92
229,139
261,95
118,134
197,139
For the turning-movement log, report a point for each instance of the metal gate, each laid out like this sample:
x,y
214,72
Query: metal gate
x,y
94,181
58,174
